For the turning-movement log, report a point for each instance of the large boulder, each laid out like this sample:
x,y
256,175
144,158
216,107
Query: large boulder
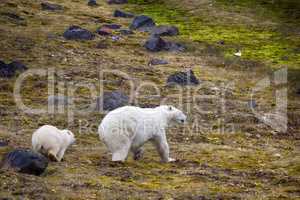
x,y
25,161
119,13
164,30
117,1
183,78
143,23
111,101
11,69
78,33
51,6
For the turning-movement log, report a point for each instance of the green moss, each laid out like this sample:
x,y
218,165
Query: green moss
x,y
257,43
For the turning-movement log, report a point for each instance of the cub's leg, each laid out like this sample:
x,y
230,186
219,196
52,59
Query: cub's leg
x,y
52,154
160,141
60,154
137,153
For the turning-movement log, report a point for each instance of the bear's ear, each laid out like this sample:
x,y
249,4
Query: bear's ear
x,y
170,108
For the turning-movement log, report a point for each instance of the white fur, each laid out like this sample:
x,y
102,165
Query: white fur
x,y
128,128
52,141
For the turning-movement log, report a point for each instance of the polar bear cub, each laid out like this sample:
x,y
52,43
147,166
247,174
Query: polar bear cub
x,y
52,141
127,128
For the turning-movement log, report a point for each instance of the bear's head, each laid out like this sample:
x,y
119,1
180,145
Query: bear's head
x,y
70,136
174,114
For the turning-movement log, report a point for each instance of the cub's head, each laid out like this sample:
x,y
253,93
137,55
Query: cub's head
x,y
174,114
69,135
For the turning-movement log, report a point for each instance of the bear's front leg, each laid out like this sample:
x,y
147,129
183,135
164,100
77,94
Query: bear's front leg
x,y
162,147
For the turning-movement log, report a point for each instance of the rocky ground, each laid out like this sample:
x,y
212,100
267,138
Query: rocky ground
x,y
226,151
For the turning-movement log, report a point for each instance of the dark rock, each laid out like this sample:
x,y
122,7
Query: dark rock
x,y
119,13
173,46
104,31
221,42
164,30
17,66
126,32
10,70
142,22
183,78
157,62
155,43
117,1
51,6
25,161
112,26
92,3
3,143
112,100
298,91
252,103
77,33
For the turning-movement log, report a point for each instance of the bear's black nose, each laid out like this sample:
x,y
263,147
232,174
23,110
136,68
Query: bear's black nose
x,y
182,120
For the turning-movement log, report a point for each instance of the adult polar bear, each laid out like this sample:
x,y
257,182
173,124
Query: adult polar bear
x,y
128,128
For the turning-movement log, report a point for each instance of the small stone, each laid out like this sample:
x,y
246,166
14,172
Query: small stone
x,y
157,62
126,32
112,26
221,42
3,143
142,22
115,38
78,33
183,78
277,155
92,3
25,161
51,6
119,13
117,1
164,30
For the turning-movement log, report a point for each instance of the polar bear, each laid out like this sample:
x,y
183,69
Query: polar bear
x,y
52,141
128,128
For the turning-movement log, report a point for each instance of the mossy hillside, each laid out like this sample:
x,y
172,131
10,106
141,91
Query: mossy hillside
x,y
258,43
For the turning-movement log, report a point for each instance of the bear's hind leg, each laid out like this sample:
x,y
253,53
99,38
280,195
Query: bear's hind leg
x,y
138,153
